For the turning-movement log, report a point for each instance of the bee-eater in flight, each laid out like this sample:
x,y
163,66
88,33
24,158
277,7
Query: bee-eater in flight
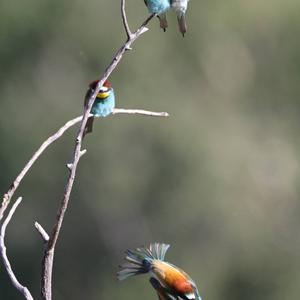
x,y
170,282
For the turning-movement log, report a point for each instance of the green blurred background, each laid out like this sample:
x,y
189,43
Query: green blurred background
x,y
218,180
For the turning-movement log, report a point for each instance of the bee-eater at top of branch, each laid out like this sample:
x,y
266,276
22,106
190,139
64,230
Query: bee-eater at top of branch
x,y
159,7
170,282
180,7
104,103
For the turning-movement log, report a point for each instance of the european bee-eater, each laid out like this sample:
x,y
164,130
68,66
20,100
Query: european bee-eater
x,y
180,7
170,282
104,103
159,7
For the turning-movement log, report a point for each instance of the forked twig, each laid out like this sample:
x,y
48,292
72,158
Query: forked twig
x,y
44,235
13,187
51,240
46,288
22,289
9,194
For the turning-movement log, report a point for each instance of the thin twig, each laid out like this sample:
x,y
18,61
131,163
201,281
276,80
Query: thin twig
x,y
125,21
22,289
8,195
44,235
140,112
146,22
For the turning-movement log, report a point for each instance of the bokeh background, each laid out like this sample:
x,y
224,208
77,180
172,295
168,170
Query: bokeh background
x,y
218,180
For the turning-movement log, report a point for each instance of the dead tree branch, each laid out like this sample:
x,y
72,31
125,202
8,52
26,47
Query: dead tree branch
x,y
139,112
14,186
46,288
51,240
44,235
22,289
8,195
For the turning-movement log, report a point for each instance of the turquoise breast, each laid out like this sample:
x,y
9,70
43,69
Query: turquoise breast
x,y
158,6
104,107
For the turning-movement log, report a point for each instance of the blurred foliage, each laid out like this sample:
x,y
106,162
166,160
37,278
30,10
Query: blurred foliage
x,y
218,180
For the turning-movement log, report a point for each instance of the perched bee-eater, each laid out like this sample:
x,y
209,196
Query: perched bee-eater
x,y
159,7
104,103
180,7
170,282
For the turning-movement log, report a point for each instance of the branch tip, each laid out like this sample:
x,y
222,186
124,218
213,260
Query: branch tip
x,y
69,166
140,112
44,235
82,152
144,29
125,21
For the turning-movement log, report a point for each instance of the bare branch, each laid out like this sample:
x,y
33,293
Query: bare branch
x,y
82,152
44,235
116,59
51,240
46,288
49,251
8,195
14,186
125,21
22,289
140,112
